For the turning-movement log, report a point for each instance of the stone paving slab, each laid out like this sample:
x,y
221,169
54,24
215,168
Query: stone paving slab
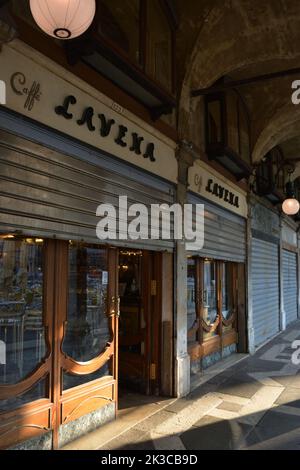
x,y
254,404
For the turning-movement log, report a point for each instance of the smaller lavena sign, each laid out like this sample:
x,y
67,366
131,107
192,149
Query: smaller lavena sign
x,y
2,92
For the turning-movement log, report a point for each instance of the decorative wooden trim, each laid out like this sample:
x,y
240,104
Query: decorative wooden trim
x,y
212,327
85,368
25,423
230,320
7,391
77,405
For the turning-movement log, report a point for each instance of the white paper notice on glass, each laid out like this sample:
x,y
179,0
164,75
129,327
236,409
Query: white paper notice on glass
x,y
104,278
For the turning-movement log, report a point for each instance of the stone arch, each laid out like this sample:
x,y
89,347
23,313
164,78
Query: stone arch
x,y
284,126
230,39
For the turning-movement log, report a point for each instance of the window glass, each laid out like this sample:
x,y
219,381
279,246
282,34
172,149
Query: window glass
x,y
120,23
227,290
210,309
244,134
87,329
191,300
132,320
71,381
214,122
37,392
159,45
22,332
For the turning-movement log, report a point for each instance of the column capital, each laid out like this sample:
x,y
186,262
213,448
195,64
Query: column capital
x,y
186,156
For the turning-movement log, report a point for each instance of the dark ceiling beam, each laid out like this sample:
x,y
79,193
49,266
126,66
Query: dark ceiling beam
x,y
225,85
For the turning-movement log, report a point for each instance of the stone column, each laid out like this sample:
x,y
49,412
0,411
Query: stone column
x,y
185,158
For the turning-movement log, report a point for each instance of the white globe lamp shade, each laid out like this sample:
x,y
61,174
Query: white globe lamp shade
x,y
63,19
291,206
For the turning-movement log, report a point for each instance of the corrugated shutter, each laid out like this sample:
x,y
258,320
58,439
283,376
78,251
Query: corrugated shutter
x,y
289,260
55,188
265,284
224,233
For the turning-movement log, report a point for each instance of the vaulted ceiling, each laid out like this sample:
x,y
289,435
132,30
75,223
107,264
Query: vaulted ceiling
x,y
243,39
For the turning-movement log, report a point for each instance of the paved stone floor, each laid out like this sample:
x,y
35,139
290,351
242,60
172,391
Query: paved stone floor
x,y
255,404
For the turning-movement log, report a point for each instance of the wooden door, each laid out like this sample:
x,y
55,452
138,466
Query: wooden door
x,y
58,325
139,320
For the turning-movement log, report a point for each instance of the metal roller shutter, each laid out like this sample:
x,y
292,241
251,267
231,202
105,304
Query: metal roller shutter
x,y
265,282
289,260
224,233
55,188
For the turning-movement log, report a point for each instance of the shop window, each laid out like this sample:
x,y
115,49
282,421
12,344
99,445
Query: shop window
x,y
22,332
119,23
137,37
271,176
72,381
228,133
35,393
159,45
212,317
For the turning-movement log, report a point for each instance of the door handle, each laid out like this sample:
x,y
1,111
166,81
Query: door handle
x,y
115,310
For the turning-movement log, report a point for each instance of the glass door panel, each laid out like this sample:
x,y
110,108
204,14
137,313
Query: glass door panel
x,y
210,296
87,330
22,331
192,318
227,294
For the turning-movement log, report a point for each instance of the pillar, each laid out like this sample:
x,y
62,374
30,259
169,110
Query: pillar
x,y
185,158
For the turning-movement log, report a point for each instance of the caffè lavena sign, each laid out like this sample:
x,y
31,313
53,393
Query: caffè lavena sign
x,y
222,193
106,127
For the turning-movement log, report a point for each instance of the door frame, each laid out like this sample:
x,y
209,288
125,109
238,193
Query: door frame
x,y
152,309
61,407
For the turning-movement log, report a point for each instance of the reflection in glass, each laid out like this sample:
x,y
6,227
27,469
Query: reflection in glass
x,y
210,309
215,131
37,392
87,332
159,45
191,299
131,320
119,22
227,291
22,333
71,381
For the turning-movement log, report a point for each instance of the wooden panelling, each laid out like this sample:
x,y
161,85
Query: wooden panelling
x,y
229,338
77,405
211,346
26,423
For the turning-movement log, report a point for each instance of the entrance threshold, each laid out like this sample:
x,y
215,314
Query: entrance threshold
x,y
133,408
204,376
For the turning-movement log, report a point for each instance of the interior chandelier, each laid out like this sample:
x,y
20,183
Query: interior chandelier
x,y
63,19
290,205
